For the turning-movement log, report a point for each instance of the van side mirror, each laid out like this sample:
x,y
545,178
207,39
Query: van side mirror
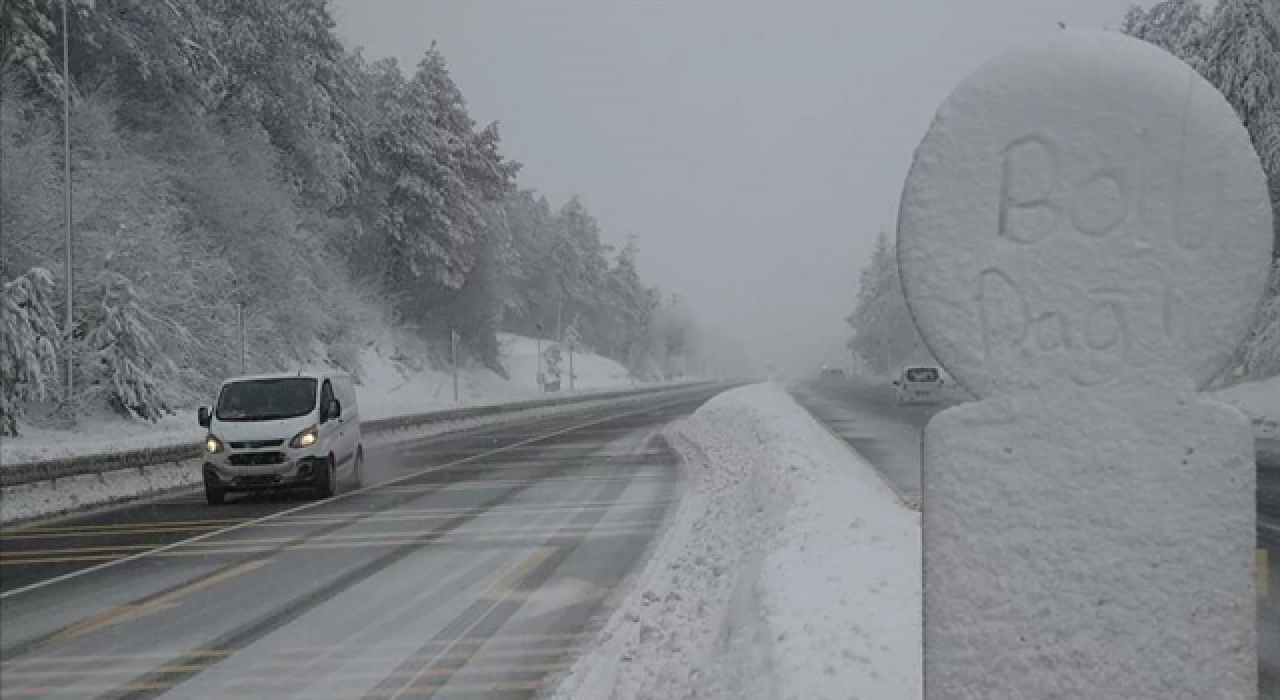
x,y
203,417
333,410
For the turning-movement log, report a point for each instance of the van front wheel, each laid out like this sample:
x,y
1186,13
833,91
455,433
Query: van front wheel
x,y
325,481
214,494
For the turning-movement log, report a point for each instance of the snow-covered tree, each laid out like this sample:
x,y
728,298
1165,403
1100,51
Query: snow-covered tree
x,y
439,172
628,307
121,364
674,337
30,180
884,335
1260,356
232,153
27,30
29,343
1177,26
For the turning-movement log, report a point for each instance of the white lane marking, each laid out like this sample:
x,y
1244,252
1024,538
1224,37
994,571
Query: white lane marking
x,y
315,504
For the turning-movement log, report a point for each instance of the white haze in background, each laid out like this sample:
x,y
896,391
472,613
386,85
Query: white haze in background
x,y
756,148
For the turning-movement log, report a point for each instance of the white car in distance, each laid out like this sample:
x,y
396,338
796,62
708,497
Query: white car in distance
x,y
919,385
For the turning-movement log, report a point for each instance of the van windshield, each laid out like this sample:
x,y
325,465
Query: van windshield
x,y
267,399
923,374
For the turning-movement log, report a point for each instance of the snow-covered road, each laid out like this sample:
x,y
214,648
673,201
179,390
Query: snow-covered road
x,y
472,566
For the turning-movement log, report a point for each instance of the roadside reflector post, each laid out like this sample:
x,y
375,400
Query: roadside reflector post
x,y
1084,236
1264,575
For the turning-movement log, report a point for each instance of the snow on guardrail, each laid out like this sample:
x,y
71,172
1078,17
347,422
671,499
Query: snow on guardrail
x,y
38,489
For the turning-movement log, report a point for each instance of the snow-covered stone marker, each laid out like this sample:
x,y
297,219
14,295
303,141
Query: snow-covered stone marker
x,y
1083,239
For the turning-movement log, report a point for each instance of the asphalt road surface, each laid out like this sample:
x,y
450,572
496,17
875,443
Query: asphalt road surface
x,y
468,566
867,416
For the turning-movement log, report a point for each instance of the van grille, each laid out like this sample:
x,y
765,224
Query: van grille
x,y
257,480
256,444
250,459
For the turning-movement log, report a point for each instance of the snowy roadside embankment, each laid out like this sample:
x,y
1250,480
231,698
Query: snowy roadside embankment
x,y
390,385
789,570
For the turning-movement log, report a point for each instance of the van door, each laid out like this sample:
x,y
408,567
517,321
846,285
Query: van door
x,y
350,417
331,429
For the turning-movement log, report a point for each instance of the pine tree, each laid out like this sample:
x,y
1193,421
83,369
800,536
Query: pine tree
x,y
1260,356
1242,59
439,173
885,336
628,308
27,30
121,362
1177,26
231,152
29,345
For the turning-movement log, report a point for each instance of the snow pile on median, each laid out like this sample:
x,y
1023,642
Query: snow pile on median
x,y
789,570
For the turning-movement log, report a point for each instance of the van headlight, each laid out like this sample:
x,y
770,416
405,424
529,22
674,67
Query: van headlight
x,y
306,438
212,445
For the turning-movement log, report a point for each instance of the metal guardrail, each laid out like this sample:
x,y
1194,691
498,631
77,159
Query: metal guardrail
x,y
48,470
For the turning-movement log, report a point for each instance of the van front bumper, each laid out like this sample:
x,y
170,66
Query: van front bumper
x,y
291,473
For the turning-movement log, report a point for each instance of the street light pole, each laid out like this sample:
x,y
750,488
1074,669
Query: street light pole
x,y
66,163
240,329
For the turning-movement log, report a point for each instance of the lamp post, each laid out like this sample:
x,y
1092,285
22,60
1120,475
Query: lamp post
x,y
66,163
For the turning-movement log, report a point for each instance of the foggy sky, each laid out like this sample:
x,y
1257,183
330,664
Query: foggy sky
x,y
755,148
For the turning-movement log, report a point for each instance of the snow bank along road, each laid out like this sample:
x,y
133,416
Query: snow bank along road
x,y
470,567
867,417
790,571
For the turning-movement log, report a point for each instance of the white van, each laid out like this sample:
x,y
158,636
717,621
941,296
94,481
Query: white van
x,y
282,431
919,385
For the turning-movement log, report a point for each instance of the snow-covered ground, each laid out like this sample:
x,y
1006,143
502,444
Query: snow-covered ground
x,y
390,385
519,358
788,571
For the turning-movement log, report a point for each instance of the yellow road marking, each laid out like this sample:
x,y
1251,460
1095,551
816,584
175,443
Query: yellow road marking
x,y
63,673
489,659
124,613
504,483
427,689
345,675
505,529
362,538
113,658
391,515
513,576
509,642
109,618
392,539
1264,574
497,541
